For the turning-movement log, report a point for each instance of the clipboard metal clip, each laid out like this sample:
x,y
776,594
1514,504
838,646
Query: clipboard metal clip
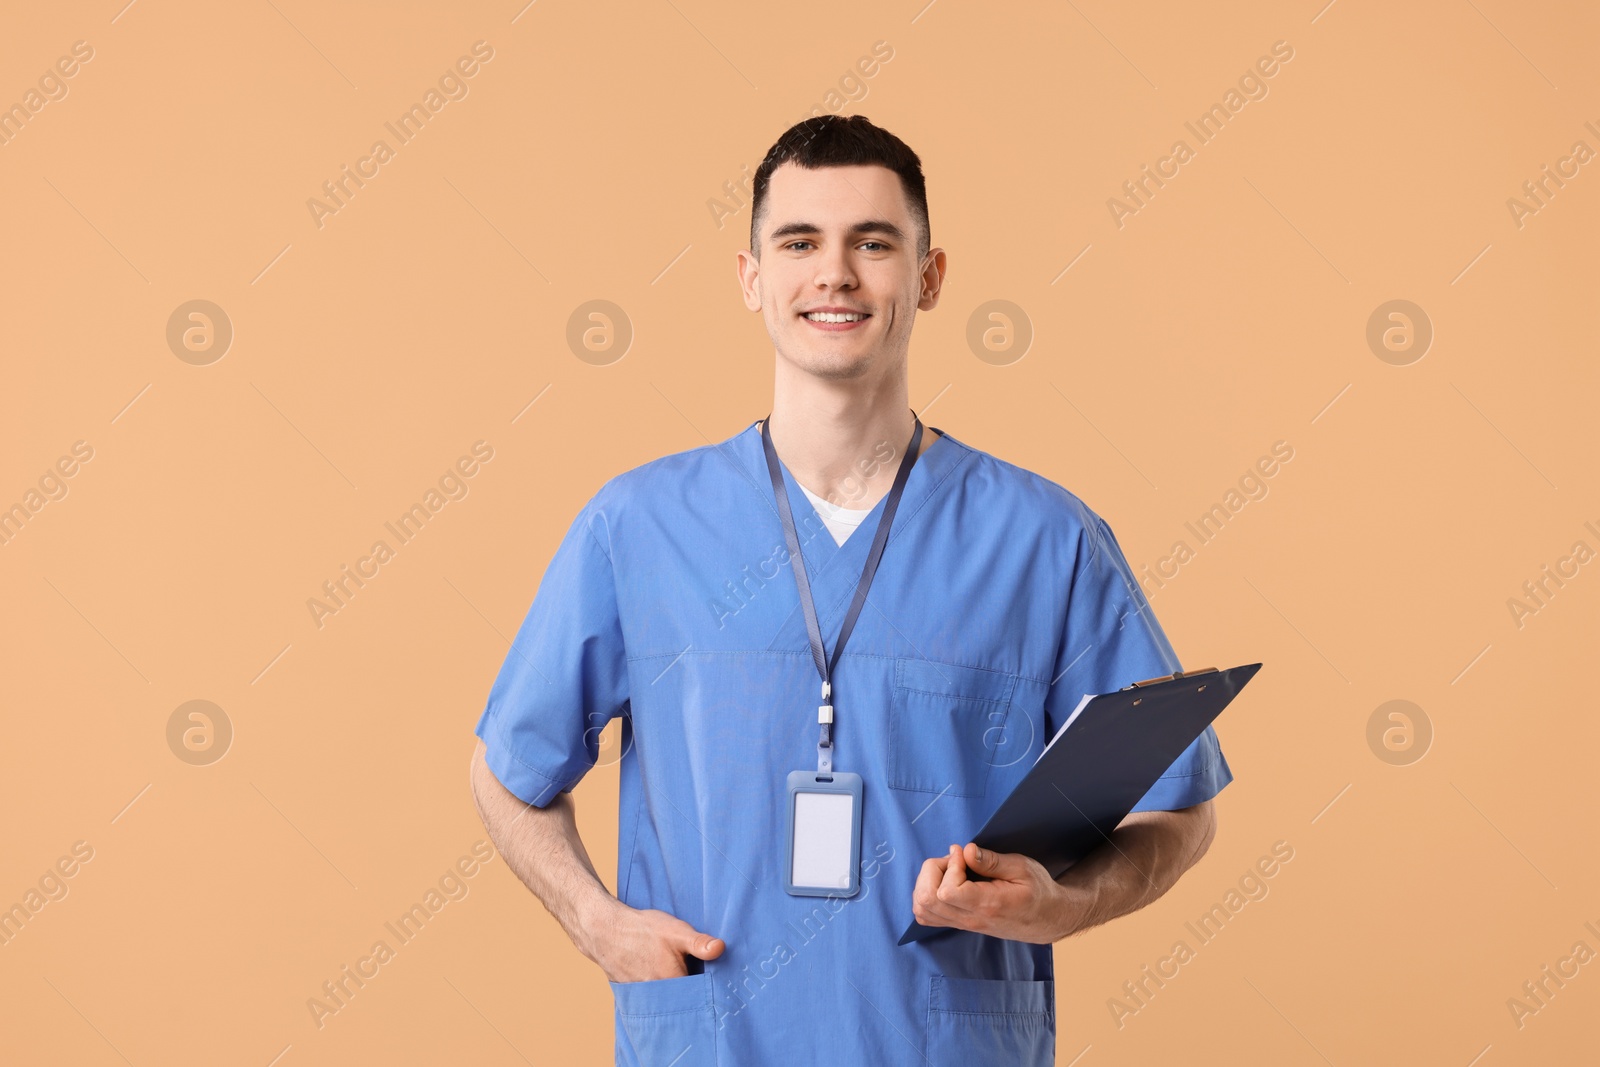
x,y
1171,677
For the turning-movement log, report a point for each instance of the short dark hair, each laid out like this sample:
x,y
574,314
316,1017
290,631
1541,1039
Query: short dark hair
x,y
843,141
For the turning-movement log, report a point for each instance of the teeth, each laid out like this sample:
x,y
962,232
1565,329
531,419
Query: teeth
x,y
829,316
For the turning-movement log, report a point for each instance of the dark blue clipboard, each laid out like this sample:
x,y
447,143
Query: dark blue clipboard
x,y
1106,760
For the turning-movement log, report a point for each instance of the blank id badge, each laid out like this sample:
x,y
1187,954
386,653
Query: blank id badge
x,y
822,854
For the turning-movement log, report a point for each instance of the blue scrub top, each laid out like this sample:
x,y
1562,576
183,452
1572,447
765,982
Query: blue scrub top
x,y
1000,601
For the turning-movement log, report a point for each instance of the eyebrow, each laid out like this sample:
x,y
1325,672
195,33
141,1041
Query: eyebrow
x,y
882,227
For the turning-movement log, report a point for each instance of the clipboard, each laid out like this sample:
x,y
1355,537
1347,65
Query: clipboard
x,y
1100,763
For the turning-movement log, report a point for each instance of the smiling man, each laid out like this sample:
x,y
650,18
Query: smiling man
x,y
800,765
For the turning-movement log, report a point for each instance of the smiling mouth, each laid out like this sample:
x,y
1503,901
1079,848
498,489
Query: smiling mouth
x,y
833,317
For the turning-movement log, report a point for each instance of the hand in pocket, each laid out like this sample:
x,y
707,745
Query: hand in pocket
x,y
633,945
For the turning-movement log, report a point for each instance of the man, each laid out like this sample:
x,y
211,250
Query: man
x,y
998,600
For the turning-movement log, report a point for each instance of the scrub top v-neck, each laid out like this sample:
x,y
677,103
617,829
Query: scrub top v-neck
x,y
842,522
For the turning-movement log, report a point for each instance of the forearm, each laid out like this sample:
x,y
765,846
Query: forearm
x,y
1143,859
543,849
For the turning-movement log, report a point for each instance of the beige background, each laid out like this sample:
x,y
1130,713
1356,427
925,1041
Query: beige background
x,y
368,354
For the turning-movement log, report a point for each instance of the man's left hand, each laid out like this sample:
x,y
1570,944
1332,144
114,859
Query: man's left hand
x,y
1019,902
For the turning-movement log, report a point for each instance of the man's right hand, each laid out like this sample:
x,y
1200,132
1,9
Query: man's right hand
x,y
543,849
631,945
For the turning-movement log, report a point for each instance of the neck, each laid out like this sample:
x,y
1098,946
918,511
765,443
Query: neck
x,y
843,440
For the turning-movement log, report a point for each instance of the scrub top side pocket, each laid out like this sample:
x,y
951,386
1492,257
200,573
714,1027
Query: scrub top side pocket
x,y
945,723
666,1021
990,1020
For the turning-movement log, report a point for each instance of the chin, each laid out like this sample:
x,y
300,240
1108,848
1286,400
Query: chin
x,y
833,367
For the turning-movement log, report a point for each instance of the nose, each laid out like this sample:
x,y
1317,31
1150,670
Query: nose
x,y
834,269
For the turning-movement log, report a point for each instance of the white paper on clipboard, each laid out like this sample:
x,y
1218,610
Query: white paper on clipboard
x,y
1081,705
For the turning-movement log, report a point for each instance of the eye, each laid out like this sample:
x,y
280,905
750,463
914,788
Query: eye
x,y
791,244
880,245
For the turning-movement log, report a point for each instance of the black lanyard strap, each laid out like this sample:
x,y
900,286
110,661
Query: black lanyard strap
x,y
824,663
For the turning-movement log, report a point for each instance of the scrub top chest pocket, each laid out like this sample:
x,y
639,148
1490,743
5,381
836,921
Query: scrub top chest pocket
x,y
945,723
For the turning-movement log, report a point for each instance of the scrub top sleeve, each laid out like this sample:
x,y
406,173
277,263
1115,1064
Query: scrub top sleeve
x,y
566,675
1111,640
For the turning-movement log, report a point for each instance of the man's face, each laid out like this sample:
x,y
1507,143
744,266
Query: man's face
x,y
840,240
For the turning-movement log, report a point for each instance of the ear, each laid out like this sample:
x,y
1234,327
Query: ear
x,y
932,279
749,271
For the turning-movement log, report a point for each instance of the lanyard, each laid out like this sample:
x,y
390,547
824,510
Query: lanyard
x,y
824,663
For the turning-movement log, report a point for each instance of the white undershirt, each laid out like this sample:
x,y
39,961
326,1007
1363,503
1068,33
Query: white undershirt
x,y
841,522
